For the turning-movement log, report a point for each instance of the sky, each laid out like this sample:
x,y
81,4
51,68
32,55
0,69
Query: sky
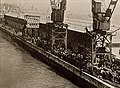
x,y
79,7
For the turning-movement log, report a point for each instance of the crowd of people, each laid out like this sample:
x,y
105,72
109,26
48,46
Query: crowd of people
x,y
81,60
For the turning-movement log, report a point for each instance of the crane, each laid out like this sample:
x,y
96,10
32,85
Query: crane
x,y
59,29
101,39
101,20
58,8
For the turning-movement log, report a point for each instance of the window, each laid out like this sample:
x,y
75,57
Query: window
x,y
116,45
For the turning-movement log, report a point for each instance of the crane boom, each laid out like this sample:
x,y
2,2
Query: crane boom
x,y
53,5
59,4
111,9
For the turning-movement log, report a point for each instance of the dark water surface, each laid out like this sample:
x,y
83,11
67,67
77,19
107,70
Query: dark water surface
x,y
19,70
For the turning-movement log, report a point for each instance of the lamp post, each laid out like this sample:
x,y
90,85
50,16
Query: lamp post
x,y
0,8
19,9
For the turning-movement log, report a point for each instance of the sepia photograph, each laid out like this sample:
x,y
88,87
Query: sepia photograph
x,y
59,44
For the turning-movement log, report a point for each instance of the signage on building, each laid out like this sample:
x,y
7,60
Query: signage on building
x,y
32,21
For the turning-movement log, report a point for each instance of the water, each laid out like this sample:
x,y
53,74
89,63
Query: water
x,y
19,70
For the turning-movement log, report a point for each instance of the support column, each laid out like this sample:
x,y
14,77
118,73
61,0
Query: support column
x,y
59,36
101,49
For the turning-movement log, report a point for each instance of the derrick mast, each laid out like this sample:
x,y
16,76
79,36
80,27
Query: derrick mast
x,y
59,29
101,38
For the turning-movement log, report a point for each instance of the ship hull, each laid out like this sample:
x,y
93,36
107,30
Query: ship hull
x,y
59,66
